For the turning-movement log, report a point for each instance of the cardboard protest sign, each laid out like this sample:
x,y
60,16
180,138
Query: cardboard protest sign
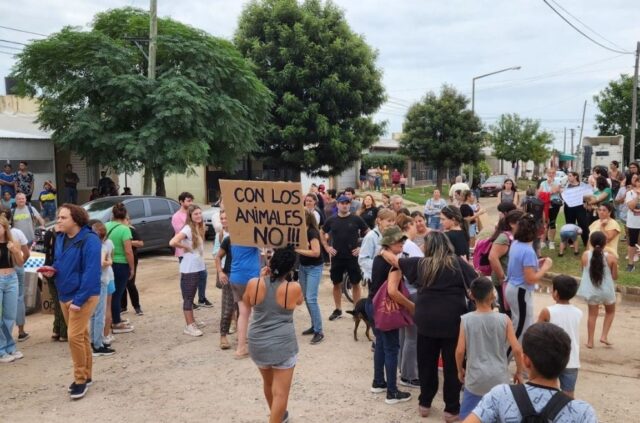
x,y
265,214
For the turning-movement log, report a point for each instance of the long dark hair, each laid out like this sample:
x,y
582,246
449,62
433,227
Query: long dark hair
x,y
453,213
598,241
438,255
504,225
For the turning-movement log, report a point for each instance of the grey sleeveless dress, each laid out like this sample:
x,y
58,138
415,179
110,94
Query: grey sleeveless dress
x,y
272,337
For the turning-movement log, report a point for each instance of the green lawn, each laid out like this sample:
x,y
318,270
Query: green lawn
x,y
419,195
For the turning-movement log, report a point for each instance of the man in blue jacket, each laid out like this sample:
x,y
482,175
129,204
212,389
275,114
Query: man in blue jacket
x,y
77,269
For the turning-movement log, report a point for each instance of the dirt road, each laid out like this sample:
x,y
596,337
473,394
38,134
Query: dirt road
x,y
161,375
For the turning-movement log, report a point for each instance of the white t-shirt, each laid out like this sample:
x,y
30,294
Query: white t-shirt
x,y
411,249
633,216
194,261
107,272
568,317
18,235
458,186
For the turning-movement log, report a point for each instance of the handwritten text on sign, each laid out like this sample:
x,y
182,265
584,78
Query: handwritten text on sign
x,y
265,214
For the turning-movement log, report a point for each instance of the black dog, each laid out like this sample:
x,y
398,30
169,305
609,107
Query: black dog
x,y
360,314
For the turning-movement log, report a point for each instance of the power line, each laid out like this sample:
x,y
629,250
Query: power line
x,y
22,30
13,42
586,26
11,48
583,34
8,54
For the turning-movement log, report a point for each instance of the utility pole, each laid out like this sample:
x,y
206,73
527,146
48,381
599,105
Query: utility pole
x,y
151,74
572,133
564,148
584,110
634,109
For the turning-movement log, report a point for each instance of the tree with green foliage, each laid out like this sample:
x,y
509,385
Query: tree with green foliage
x,y
325,81
614,117
206,106
515,139
441,131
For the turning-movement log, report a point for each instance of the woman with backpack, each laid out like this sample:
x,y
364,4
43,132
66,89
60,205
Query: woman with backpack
x,y
499,254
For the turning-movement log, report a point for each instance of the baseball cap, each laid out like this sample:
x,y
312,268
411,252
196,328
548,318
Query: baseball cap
x,y
321,187
343,199
391,235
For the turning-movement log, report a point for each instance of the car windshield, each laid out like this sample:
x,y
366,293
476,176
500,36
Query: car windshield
x,y
99,209
495,180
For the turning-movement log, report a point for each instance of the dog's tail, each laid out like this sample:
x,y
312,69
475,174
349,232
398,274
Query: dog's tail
x,y
351,312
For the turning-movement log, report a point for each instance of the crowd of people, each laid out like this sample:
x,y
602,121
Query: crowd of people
x,y
425,266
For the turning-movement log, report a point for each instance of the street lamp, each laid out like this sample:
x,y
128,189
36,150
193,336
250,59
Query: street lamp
x,y
473,98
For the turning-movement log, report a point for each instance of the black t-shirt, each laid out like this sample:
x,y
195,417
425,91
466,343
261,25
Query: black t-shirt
x,y
345,232
311,261
439,305
379,273
460,242
467,211
226,246
369,216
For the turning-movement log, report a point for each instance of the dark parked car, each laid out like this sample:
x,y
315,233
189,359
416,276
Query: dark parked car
x,y
492,186
151,217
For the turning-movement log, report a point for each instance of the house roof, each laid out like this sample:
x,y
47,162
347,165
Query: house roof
x,y
21,126
386,143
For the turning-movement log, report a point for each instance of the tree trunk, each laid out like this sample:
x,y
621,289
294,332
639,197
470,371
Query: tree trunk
x,y
440,173
158,177
148,179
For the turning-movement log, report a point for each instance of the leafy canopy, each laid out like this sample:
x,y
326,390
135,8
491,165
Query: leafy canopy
x,y
614,117
514,139
324,79
441,131
206,105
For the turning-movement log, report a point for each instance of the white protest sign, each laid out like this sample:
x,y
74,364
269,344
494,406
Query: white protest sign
x,y
574,197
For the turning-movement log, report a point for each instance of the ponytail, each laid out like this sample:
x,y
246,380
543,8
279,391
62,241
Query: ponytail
x,y
596,265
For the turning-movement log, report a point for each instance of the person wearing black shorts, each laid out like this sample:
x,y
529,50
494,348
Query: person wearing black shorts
x,y
345,229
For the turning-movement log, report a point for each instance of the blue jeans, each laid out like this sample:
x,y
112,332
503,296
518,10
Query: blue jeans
x,y
8,310
469,402
49,210
96,322
120,277
385,356
376,183
434,223
202,286
71,195
309,277
21,315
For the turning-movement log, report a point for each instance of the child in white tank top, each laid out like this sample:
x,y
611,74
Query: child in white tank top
x,y
566,316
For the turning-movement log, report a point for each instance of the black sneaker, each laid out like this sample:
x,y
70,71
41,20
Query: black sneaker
x,y
89,382
23,337
285,417
205,303
78,390
195,306
317,338
396,397
378,388
103,351
630,268
309,331
337,314
139,311
413,383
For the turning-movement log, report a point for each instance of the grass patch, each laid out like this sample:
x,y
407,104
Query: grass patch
x,y
420,195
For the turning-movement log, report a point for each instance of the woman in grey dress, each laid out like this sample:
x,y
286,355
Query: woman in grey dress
x,y
272,338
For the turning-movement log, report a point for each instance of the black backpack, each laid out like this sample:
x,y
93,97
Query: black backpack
x,y
550,411
534,206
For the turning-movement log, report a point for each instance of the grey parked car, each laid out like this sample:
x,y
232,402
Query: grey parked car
x,y
151,217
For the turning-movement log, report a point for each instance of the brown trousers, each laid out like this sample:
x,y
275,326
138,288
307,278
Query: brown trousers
x,y
78,336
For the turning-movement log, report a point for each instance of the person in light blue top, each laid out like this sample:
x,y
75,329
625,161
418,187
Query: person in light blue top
x,y
244,266
523,272
432,209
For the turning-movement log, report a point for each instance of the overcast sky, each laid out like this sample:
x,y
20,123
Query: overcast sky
x,y
424,44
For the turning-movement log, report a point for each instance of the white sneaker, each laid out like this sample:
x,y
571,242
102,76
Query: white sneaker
x,y
7,358
17,355
552,245
123,329
192,330
108,339
200,324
